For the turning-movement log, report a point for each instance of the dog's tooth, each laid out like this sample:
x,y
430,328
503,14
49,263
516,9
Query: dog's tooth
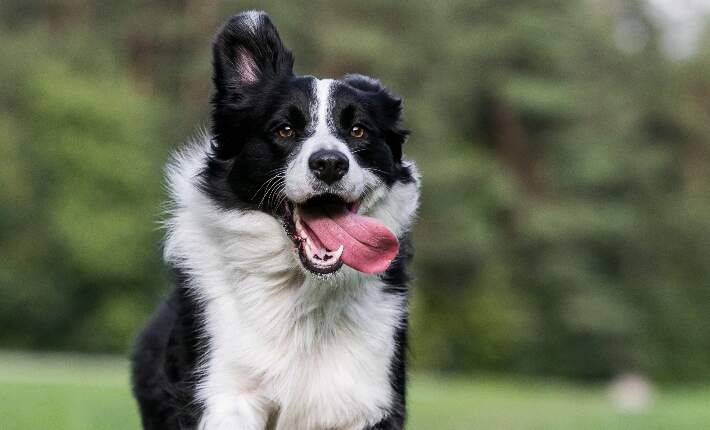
x,y
313,254
300,230
338,253
309,251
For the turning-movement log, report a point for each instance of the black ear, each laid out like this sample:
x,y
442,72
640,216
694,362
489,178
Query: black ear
x,y
390,110
247,51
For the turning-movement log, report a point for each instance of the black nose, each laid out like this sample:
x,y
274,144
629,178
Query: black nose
x,y
328,165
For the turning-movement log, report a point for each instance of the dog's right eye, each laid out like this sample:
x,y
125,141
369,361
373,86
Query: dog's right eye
x,y
357,131
285,132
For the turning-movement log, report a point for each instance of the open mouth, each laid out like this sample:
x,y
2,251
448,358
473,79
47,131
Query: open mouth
x,y
328,232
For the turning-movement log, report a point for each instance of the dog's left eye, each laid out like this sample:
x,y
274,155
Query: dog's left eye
x,y
285,132
357,131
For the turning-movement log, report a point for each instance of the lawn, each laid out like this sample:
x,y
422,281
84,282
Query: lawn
x,y
91,393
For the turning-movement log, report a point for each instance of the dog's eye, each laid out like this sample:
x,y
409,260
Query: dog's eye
x,y
357,132
285,132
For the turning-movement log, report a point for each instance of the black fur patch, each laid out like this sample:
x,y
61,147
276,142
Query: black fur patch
x,y
165,358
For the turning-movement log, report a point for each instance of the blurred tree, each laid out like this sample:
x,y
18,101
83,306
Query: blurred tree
x,y
79,259
564,225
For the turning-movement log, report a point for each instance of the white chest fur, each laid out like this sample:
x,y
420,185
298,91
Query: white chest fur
x,y
317,353
317,365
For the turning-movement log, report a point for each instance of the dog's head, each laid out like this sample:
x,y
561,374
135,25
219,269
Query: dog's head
x,y
322,155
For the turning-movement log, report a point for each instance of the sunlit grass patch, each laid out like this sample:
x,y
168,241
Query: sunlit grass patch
x,y
75,392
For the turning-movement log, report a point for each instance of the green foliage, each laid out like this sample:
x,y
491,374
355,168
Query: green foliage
x,y
563,227
80,238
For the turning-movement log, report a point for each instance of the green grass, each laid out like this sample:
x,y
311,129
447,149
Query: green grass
x,y
75,392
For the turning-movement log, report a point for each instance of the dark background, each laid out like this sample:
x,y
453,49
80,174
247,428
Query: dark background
x,y
564,146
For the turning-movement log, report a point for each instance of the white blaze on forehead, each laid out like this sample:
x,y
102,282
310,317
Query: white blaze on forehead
x,y
300,182
323,87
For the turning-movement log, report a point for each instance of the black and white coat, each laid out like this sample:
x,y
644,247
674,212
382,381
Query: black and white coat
x,y
249,338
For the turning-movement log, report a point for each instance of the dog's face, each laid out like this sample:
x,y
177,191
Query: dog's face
x,y
317,154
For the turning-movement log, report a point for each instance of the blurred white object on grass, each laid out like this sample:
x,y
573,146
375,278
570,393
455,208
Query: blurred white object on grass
x,y
631,393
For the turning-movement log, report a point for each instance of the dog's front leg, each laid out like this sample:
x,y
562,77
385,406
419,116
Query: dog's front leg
x,y
235,412
227,410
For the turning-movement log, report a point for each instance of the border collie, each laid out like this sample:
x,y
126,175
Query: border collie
x,y
289,241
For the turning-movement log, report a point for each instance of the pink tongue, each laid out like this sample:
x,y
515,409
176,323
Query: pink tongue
x,y
368,245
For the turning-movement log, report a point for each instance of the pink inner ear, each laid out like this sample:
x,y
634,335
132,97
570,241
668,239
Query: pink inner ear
x,y
246,66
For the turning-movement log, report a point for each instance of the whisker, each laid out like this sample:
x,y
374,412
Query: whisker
x,y
279,193
271,188
266,193
274,191
269,182
262,186
372,169
283,199
280,172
